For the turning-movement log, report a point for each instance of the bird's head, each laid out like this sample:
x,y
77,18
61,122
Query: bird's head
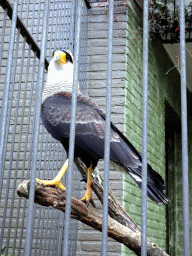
x,y
60,73
62,57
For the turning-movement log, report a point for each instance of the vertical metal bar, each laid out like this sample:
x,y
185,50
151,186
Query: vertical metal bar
x,y
21,233
186,224
85,49
13,144
72,22
45,211
55,34
39,88
52,144
107,131
25,147
3,36
144,131
21,9
4,108
42,211
25,152
74,229
38,175
63,21
53,217
51,36
83,59
27,14
41,233
62,13
59,219
72,130
38,21
66,28
46,231
65,35
33,17
58,242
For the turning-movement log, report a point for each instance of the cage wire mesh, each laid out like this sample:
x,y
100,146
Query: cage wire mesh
x,y
18,147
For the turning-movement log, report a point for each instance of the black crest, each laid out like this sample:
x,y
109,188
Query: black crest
x,y
68,56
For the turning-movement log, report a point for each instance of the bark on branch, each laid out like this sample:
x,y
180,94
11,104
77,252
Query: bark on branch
x,y
121,227
116,210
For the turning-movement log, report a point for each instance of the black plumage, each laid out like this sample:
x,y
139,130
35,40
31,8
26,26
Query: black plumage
x,y
89,139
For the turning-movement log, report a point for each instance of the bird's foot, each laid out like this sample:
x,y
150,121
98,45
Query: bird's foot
x,y
55,182
88,198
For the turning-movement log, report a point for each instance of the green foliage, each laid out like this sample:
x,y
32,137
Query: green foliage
x,y
164,17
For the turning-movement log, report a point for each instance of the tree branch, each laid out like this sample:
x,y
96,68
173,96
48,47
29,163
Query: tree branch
x,y
120,227
116,210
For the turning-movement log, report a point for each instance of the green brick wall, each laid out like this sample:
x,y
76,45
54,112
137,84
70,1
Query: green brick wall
x,y
162,88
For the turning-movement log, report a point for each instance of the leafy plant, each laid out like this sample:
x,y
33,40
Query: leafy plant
x,y
164,17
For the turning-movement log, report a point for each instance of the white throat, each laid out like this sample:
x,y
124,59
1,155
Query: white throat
x,y
59,79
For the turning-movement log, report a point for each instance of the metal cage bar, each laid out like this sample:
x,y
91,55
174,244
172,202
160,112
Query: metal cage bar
x,y
72,129
6,92
185,167
144,131
3,35
39,89
107,131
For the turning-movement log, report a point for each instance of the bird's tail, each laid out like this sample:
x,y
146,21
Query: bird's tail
x,y
126,155
155,183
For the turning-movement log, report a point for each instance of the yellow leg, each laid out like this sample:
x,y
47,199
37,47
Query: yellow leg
x,y
88,194
57,180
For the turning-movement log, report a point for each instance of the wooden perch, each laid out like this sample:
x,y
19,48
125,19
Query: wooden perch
x,y
116,211
120,225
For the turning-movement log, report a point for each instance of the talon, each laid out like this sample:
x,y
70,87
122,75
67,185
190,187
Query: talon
x,y
88,199
91,202
53,182
57,180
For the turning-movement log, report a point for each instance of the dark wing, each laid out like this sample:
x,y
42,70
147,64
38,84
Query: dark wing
x,y
90,127
89,136
128,156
